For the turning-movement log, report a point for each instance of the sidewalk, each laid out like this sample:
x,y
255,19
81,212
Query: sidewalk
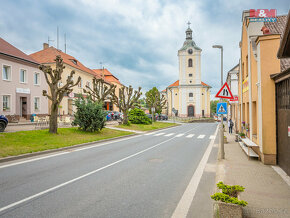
x,y
267,194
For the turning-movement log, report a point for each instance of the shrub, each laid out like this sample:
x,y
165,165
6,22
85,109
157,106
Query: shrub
x,y
137,116
229,194
90,116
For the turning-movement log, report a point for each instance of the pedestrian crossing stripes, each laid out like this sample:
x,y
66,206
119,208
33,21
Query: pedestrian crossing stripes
x,y
178,135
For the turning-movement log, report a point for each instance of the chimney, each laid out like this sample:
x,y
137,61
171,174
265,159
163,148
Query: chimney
x,y
265,30
45,46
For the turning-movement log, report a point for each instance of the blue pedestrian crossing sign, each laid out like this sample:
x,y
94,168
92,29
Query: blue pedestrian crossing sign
x,y
222,108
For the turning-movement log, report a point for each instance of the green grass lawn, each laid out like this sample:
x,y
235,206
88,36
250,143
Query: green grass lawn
x,y
143,127
16,143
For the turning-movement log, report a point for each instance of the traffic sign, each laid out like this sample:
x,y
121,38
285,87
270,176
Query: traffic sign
x,y
225,92
222,108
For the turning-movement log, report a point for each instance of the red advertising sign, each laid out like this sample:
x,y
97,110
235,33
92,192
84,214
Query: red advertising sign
x,y
263,13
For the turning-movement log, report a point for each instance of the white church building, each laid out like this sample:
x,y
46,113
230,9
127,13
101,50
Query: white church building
x,y
189,96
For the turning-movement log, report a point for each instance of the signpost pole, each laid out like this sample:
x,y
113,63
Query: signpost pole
x,y
222,151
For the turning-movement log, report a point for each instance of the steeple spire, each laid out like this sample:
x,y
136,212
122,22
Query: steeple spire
x,y
188,32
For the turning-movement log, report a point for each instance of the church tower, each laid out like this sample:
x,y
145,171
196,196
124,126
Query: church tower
x,y
189,61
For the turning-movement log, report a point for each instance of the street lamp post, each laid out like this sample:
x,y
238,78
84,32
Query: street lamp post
x,y
222,148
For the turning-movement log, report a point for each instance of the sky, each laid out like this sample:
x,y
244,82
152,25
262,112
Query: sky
x,y
136,40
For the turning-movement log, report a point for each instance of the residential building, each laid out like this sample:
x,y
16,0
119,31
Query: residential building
x,y
110,78
282,85
189,95
233,83
257,115
21,84
47,57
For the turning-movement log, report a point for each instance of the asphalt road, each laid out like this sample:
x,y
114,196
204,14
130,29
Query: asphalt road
x,y
140,176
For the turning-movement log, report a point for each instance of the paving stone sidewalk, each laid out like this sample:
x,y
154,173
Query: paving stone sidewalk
x,y
267,194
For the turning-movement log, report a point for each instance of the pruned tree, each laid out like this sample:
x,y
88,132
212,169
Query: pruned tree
x,y
100,91
57,91
155,99
126,100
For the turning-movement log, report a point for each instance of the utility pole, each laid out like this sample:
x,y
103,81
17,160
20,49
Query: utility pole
x,y
222,148
65,43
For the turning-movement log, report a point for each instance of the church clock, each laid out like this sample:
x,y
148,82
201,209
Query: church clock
x,y
190,51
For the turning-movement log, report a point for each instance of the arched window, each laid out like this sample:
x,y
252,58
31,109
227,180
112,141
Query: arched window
x,y
189,62
190,95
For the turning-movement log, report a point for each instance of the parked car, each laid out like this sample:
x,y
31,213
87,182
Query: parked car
x,y
163,117
149,116
3,123
116,115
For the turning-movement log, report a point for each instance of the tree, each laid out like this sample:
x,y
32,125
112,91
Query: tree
x,y
57,91
137,116
213,105
126,100
100,91
90,115
155,99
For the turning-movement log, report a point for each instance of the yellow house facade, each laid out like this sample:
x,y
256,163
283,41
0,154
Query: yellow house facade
x,y
256,114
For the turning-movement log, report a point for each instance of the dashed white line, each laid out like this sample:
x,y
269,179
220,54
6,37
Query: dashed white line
x,y
179,135
190,136
201,136
150,133
169,134
158,134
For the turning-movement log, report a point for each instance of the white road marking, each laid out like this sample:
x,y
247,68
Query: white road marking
x,y
158,134
201,136
83,176
179,135
150,133
190,136
183,206
169,134
212,137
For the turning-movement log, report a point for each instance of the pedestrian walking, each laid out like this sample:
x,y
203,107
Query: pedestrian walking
x,y
230,125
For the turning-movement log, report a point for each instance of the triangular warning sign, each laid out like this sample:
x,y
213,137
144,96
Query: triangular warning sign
x,y
225,92
221,109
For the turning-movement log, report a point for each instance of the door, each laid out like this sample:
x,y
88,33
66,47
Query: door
x,y
190,111
283,124
23,107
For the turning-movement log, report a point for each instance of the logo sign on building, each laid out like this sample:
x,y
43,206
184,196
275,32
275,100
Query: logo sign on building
x,y
225,92
23,90
245,85
235,99
222,108
263,15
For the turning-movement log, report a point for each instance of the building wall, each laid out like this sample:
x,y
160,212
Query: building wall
x,y
16,89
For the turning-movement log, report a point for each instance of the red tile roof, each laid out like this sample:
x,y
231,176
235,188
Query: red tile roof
x,y
176,83
108,75
278,28
204,84
8,49
48,55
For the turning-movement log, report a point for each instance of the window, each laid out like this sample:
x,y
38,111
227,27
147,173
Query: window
x,y
23,76
36,78
6,102
36,103
191,95
190,81
88,84
190,75
189,62
6,73
80,84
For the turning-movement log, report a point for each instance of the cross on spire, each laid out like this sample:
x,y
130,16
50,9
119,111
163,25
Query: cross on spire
x,y
188,23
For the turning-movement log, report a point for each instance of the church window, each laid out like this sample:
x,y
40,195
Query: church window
x,y
190,75
189,62
191,95
190,81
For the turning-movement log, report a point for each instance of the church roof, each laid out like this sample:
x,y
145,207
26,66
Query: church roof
x,y
189,43
176,83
